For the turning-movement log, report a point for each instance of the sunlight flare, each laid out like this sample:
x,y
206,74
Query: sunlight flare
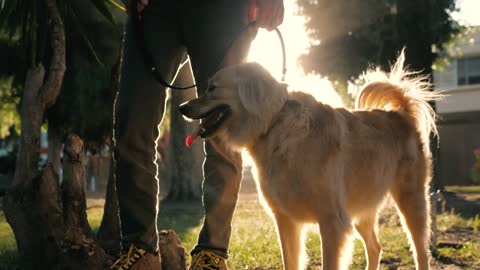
x,y
266,50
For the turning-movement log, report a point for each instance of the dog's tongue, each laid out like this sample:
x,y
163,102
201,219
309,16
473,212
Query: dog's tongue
x,y
192,137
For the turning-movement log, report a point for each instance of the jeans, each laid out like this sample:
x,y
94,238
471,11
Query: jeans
x,y
173,29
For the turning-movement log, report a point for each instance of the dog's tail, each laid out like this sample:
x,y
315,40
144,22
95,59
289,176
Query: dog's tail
x,y
403,91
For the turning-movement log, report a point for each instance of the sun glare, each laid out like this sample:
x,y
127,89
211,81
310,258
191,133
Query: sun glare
x,y
468,13
266,50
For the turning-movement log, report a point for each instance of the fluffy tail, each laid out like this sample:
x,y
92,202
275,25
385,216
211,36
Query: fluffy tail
x,y
404,91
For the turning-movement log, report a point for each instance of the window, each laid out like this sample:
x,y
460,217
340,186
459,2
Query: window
x,y
468,71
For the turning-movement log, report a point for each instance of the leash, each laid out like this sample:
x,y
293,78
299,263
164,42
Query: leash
x,y
136,18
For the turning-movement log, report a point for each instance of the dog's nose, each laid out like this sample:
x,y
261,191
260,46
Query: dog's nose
x,y
183,109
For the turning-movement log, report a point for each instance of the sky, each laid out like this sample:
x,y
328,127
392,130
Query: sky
x,y
267,51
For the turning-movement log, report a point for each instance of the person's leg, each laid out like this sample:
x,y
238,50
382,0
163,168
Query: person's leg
x,y
139,109
209,27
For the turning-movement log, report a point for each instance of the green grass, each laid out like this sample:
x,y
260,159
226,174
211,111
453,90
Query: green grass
x,y
254,242
461,231
463,189
8,246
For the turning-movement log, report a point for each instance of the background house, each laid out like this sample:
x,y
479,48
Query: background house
x,y
460,114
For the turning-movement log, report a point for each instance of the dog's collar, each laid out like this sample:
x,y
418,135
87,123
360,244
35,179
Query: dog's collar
x,y
291,103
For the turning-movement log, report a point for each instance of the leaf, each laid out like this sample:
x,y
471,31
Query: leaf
x,y
12,16
117,5
103,9
81,31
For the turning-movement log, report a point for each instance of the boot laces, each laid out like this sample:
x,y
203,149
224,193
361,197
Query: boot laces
x,y
128,260
207,260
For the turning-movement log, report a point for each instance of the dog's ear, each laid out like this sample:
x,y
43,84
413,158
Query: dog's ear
x,y
259,92
252,95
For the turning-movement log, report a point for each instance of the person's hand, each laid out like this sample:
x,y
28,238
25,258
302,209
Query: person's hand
x,y
268,13
141,4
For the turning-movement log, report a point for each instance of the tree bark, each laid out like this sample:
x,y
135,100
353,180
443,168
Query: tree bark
x,y
79,248
171,250
50,222
32,205
109,234
54,144
186,168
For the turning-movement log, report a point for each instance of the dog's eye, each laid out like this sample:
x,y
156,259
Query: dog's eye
x,y
210,88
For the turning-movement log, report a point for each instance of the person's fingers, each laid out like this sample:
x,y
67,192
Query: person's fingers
x,y
270,13
274,18
252,11
280,16
263,17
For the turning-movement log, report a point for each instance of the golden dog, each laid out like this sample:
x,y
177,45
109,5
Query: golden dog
x,y
331,167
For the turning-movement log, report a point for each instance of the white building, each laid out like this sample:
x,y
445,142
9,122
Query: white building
x,y
460,114
461,80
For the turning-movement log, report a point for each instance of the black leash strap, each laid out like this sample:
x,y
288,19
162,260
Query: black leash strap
x,y
284,54
148,57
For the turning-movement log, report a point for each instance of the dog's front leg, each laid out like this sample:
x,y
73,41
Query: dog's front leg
x,y
336,231
291,242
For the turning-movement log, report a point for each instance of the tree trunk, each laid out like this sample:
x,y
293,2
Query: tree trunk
x,y
419,56
33,205
78,244
186,163
171,250
109,235
54,144
50,223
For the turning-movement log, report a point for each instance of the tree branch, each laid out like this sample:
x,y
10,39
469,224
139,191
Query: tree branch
x,y
51,88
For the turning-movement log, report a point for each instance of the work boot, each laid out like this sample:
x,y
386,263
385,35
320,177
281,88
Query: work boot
x,y
137,259
207,260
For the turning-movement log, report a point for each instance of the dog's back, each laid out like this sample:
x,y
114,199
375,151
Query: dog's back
x,y
336,166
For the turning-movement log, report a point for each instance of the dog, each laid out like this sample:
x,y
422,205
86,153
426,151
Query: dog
x,y
329,166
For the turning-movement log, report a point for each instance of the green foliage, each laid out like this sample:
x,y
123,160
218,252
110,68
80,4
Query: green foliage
x,y
85,105
27,20
9,101
452,48
352,36
93,40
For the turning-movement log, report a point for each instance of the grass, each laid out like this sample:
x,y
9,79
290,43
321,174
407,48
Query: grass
x,y
463,189
8,246
254,242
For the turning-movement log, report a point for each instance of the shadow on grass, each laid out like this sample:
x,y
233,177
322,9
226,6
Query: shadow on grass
x,y
461,204
180,216
447,260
